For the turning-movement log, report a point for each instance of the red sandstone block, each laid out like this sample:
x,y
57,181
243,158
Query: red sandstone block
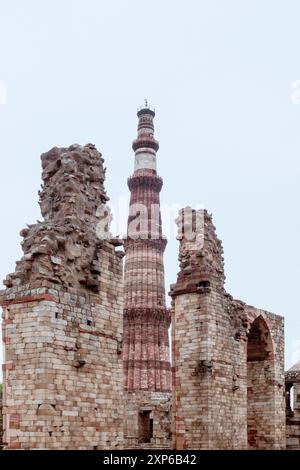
x,y
27,299
7,366
14,421
180,443
14,445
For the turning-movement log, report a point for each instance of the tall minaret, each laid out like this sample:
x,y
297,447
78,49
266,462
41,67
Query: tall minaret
x,y
146,318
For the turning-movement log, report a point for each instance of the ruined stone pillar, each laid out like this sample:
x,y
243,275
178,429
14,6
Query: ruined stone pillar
x,y
62,316
147,370
227,357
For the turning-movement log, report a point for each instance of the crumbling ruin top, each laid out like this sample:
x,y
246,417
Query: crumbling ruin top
x,y
200,253
64,248
293,374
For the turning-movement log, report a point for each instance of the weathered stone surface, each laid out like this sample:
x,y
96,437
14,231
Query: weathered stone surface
x,y
292,390
62,317
62,327
158,406
65,249
227,357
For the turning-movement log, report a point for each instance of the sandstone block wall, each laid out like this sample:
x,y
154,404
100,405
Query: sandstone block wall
x,y
292,384
62,316
147,420
293,433
265,380
62,370
62,335
228,377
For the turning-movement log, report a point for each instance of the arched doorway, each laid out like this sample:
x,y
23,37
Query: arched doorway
x,y
260,387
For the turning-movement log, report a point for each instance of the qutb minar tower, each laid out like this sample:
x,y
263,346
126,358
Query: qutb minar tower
x,y
147,369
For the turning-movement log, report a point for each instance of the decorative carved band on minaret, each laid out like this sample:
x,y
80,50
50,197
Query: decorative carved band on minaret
x,y
146,318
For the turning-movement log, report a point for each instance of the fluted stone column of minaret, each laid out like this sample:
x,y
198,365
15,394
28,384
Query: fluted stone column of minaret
x,y
147,369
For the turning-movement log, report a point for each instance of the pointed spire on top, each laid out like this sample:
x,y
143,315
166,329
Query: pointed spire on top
x,y
146,109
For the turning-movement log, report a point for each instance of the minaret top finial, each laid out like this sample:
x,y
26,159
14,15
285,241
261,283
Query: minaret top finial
x,y
146,109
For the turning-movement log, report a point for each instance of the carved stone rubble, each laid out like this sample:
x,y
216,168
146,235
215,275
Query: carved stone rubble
x,y
65,247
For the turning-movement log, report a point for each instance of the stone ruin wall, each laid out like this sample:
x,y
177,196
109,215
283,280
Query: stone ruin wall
x,y
62,316
265,380
212,400
62,333
292,382
156,408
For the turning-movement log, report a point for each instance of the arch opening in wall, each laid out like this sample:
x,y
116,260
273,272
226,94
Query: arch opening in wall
x,y
289,400
260,386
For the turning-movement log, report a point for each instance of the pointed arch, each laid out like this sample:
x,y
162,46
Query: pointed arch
x,y
260,386
259,345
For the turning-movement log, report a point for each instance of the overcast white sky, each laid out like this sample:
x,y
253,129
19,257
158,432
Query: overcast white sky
x,y
220,75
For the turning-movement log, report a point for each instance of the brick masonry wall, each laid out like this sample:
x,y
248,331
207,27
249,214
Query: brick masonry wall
x,y
293,434
63,368
159,406
265,382
62,315
211,383
293,415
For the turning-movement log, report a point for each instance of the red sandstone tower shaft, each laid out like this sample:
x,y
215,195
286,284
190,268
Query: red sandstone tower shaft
x,y
146,318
